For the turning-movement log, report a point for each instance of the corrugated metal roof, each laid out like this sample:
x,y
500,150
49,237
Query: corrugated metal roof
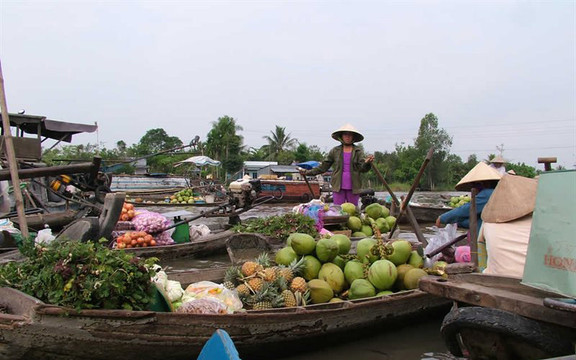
x,y
284,169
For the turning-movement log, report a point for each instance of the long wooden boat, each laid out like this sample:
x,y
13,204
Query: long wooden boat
x,y
422,213
143,202
211,244
495,315
129,183
31,329
290,190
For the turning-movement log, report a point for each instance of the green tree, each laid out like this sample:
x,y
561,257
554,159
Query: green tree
x,y
154,141
430,136
279,142
222,143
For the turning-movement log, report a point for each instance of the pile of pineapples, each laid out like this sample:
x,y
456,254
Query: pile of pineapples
x,y
261,285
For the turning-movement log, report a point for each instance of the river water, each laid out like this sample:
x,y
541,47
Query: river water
x,y
418,338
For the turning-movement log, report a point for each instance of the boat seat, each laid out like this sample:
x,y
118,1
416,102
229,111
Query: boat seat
x,y
94,228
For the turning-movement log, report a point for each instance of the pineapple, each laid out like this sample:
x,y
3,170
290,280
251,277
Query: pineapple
x,y
269,274
231,277
243,290
250,268
264,298
263,260
256,284
288,298
299,284
294,269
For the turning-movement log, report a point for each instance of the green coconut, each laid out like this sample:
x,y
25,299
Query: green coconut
x,y
415,259
391,220
382,274
335,300
354,223
363,249
361,288
353,270
285,256
367,229
311,267
398,251
382,225
385,293
385,212
326,249
374,210
344,243
320,291
412,278
358,234
303,244
439,265
349,208
340,261
333,275
402,270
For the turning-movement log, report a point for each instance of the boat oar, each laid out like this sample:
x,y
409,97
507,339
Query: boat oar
x,y
411,217
307,183
412,189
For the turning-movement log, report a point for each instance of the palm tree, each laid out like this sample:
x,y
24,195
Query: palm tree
x,y
279,142
222,143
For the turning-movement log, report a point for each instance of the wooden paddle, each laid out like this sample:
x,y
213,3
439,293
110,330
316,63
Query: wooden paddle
x,y
412,189
307,183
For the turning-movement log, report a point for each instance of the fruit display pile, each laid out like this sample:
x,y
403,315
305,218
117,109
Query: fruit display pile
x,y
185,196
457,201
310,271
374,219
145,223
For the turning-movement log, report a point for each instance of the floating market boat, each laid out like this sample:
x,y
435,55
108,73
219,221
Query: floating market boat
x,y
500,314
31,329
210,244
290,190
422,213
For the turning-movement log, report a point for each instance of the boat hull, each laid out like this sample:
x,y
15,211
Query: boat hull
x,y
38,331
290,190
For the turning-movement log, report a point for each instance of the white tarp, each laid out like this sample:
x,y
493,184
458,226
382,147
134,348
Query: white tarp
x,y
199,161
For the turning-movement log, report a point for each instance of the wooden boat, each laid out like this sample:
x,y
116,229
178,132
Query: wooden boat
x,y
211,244
127,183
422,213
495,314
143,202
31,329
289,190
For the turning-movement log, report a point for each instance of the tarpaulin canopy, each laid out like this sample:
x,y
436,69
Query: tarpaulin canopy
x,y
53,129
308,164
199,161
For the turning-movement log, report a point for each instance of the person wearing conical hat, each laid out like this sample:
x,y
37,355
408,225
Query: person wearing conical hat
x,y
507,222
347,161
497,163
482,177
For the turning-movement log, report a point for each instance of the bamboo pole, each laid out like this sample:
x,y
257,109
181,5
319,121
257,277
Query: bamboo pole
x,y
11,157
473,228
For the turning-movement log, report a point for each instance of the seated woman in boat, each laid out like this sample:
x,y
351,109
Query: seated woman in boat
x,y
506,227
483,178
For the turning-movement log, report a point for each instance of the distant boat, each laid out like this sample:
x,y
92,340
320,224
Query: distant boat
x,y
290,190
159,181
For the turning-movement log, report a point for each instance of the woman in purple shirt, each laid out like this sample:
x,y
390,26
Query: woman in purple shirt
x,y
347,161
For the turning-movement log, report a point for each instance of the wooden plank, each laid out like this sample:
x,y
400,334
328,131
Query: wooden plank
x,y
499,293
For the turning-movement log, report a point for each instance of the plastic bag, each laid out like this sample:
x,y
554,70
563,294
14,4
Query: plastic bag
x,y
203,306
198,231
44,236
441,236
208,289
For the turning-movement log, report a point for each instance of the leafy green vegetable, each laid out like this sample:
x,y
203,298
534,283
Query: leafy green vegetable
x,y
81,275
279,226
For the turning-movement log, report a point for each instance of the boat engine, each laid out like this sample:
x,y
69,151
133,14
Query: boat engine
x,y
244,192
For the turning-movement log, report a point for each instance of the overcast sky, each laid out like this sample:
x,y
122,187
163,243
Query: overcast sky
x,y
493,72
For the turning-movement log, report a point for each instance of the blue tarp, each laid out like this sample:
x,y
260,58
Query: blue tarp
x,y
308,164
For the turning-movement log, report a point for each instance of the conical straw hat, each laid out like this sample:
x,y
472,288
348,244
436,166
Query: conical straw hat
x,y
513,198
480,172
337,135
498,160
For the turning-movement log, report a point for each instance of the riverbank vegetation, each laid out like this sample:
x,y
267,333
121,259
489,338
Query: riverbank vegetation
x,y
224,143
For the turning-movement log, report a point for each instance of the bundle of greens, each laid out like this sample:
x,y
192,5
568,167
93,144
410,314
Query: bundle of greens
x,y
81,276
279,226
